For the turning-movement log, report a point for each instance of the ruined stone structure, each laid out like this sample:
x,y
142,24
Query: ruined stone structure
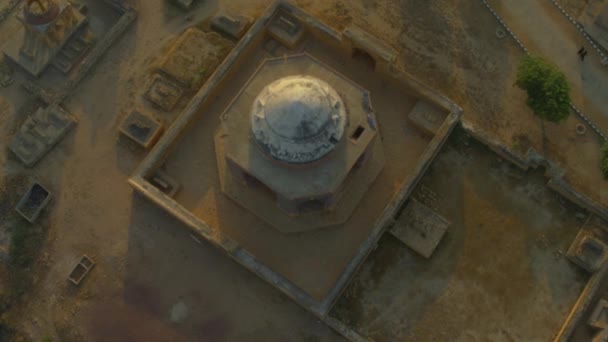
x,y
304,144
47,26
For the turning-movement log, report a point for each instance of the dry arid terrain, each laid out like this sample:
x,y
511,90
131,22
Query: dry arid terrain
x,y
153,282
503,256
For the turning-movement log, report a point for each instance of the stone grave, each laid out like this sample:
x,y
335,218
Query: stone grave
x,y
33,202
81,270
141,128
165,183
286,29
587,251
233,26
194,57
420,228
39,133
163,93
426,117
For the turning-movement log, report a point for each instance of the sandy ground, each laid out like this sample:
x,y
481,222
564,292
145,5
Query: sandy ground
x,y
498,275
136,288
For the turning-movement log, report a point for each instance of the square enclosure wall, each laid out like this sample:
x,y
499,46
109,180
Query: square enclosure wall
x,y
314,267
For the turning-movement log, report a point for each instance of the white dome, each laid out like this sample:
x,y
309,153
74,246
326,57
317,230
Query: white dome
x,y
298,119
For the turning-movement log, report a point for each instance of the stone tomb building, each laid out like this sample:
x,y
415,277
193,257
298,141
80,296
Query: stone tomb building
x,y
47,25
300,128
307,143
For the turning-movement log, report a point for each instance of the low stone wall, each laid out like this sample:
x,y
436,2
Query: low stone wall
x,y
556,183
582,304
562,187
423,90
388,215
346,331
553,171
322,32
356,38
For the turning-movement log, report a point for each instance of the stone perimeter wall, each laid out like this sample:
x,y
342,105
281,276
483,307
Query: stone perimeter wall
x,y
230,247
533,159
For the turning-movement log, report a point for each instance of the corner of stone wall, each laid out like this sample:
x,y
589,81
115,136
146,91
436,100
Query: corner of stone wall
x,y
383,54
582,304
553,171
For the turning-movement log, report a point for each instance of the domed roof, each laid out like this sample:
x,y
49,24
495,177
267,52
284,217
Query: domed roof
x,y
40,12
298,119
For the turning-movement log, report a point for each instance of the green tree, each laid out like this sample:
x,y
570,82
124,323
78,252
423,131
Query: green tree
x,y
547,88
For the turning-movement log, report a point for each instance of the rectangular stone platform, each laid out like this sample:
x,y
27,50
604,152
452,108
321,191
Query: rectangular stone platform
x,y
286,29
420,228
40,132
81,270
587,251
75,49
234,26
37,65
33,202
426,117
141,129
193,57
